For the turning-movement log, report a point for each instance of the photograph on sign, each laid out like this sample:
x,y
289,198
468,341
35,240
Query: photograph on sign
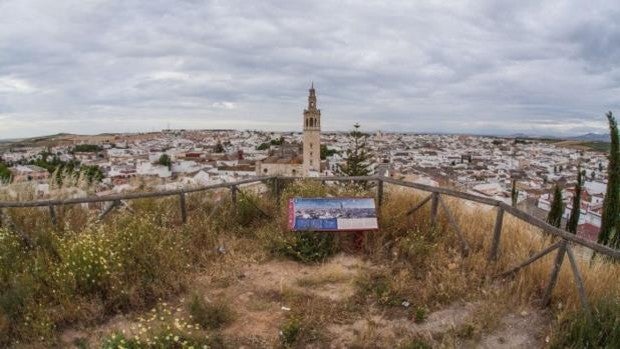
x,y
332,214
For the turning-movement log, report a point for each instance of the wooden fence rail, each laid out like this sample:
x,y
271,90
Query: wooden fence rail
x,y
562,246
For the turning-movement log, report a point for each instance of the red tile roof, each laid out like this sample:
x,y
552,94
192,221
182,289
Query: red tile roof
x,y
588,231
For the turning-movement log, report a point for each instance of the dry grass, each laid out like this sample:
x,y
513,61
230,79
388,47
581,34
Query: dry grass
x,y
331,275
143,253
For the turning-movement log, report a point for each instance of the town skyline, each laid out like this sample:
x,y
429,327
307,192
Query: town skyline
x,y
518,170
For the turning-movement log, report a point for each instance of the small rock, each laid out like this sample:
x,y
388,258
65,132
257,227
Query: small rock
x,y
286,308
406,304
524,313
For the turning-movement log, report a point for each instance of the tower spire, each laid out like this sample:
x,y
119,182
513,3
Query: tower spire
x,y
312,134
312,98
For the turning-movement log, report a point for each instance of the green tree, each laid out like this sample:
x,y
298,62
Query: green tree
x,y
573,219
219,148
5,173
326,152
86,148
514,193
557,208
278,141
609,221
92,173
357,162
263,146
165,160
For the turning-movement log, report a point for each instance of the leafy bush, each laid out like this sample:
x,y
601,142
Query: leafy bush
x,y
417,246
309,247
126,263
289,332
91,262
210,315
247,210
420,314
600,330
5,173
376,285
132,261
12,256
24,275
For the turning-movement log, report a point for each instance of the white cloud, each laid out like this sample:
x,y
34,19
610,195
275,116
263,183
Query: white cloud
x,y
224,105
10,85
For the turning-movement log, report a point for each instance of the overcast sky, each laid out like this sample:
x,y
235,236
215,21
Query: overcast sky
x,y
86,66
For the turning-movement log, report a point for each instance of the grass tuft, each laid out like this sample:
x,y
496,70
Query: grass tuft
x,y
289,332
210,315
601,329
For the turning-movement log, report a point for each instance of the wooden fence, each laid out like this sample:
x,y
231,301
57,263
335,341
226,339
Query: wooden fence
x,y
435,198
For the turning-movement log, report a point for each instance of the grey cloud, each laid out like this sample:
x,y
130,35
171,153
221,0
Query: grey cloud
x,y
478,66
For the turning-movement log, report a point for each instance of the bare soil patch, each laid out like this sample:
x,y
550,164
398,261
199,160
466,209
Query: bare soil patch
x,y
257,293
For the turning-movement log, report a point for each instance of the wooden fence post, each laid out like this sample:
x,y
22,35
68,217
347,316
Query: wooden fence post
x,y
106,210
183,207
559,258
233,194
379,191
578,280
276,189
434,208
531,260
419,205
53,215
457,229
497,234
1,217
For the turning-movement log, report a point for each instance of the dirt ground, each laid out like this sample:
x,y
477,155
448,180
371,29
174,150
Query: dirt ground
x,y
255,293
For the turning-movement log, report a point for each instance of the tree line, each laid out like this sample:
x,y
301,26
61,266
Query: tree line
x,y
58,168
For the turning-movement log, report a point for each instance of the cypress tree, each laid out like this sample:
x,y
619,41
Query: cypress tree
x,y
557,208
514,193
611,208
573,220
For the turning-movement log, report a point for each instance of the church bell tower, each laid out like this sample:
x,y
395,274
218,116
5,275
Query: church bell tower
x,y
312,135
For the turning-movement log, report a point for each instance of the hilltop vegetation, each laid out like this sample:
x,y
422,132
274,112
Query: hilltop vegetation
x,y
235,276
585,145
87,148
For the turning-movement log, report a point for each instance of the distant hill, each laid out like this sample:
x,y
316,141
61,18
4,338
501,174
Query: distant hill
x,y
592,137
588,137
